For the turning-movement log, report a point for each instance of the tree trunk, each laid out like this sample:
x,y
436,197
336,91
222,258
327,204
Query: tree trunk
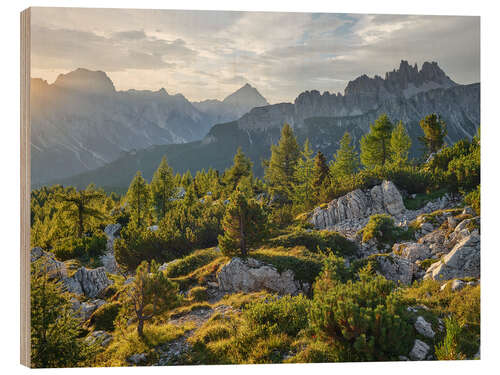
x,y
140,328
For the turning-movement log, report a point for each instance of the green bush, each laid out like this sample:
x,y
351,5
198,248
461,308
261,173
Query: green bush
x,y
363,320
315,240
381,227
103,318
198,294
474,199
305,267
188,264
95,245
73,247
287,314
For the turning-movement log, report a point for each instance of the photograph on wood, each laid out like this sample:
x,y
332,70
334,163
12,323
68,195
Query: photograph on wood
x,y
228,187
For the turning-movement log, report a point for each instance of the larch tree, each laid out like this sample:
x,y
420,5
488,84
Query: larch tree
x,y
376,145
139,200
242,167
162,188
303,186
434,129
400,145
346,159
80,205
150,294
244,225
280,168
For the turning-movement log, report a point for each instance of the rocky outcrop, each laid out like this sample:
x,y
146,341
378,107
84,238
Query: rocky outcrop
x,y
424,328
412,251
90,282
103,337
419,351
85,309
395,268
251,275
108,259
48,263
383,198
463,261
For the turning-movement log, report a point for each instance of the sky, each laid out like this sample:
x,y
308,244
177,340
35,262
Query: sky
x,y
210,54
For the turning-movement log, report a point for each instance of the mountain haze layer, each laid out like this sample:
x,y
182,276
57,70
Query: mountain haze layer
x,y
81,122
405,94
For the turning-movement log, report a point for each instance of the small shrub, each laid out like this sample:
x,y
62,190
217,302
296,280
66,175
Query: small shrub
x,y
198,294
315,240
473,199
449,348
380,227
188,264
69,248
103,318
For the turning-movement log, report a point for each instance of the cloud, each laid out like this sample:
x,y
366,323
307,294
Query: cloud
x,y
209,54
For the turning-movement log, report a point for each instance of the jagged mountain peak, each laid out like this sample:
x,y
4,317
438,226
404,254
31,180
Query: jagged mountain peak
x,y
85,80
246,95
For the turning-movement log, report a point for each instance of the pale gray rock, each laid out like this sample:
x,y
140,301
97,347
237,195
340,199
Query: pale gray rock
x,y
49,264
412,251
251,275
455,285
424,327
395,268
383,198
108,259
103,337
419,351
90,282
85,309
137,358
463,261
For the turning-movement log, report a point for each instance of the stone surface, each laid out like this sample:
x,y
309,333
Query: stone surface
x,y
251,275
99,336
395,268
85,309
357,204
55,269
412,251
419,351
108,259
463,261
137,358
424,328
90,282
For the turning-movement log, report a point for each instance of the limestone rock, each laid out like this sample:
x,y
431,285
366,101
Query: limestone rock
x,y
424,328
137,358
85,309
108,259
90,282
419,351
251,275
99,336
56,269
463,261
358,204
455,285
412,251
395,268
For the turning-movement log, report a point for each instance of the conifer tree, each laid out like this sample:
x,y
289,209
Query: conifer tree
x,y
242,167
187,179
162,188
434,129
400,145
55,330
78,203
346,159
149,294
321,176
244,225
280,168
303,186
139,199
375,145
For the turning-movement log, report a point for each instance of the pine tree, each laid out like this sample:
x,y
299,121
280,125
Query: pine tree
x,y
139,199
150,294
303,188
244,225
78,204
321,176
375,145
187,179
400,145
55,330
162,188
280,168
346,159
242,167
434,129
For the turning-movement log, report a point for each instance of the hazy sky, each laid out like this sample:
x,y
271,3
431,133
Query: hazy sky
x,y
206,55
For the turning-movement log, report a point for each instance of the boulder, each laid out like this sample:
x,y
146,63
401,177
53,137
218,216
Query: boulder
x,y
395,268
455,285
419,351
90,282
85,309
357,204
108,259
99,336
463,261
412,251
424,328
55,269
251,275
137,358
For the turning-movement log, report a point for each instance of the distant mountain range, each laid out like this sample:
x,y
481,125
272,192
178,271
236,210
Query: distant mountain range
x,y
80,122
406,94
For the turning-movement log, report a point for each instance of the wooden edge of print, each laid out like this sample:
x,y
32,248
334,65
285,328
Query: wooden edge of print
x,y
25,350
